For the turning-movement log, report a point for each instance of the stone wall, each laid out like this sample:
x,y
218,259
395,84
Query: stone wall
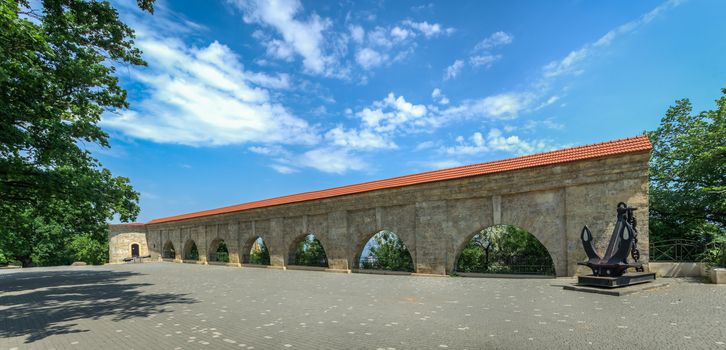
x,y
120,239
435,220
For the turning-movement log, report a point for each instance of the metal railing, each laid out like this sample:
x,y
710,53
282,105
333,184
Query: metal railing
x,y
371,263
683,250
515,265
677,250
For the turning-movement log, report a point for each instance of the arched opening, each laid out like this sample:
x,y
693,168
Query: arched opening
x,y
385,251
505,249
168,251
256,252
308,251
218,251
190,251
134,250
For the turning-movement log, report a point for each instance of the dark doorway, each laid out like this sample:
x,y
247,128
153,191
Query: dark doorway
x,y
134,250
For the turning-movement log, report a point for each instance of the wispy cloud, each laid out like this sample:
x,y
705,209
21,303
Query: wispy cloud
x,y
573,62
301,36
453,70
203,96
494,141
481,55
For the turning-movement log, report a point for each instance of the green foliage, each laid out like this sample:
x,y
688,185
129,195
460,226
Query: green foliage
x,y
309,252
57,77
222,252
193,253
260,256
505,249
86,248
168,251
688,174
388,253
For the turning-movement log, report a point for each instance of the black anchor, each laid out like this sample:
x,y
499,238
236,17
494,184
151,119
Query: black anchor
x,y
623,239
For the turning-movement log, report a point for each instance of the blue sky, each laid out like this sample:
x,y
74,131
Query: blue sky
x,y
246,100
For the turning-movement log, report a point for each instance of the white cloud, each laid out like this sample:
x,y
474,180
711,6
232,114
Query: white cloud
x,y
369,58
400,34
357,33
453,70
331,160
283,169
494,141
383,45
394,113
484,60
429,30
502,106
439,97
358,139
304,37
572,63
494,40
203,96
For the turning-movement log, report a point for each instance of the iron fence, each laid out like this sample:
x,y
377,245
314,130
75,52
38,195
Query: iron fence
x,y
683,250
371,263
677,250
514,265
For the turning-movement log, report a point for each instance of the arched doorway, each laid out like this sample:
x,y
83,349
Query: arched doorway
x,y
218,251
255,252
385,251
190,251
168,251
308,251
504,249
134,250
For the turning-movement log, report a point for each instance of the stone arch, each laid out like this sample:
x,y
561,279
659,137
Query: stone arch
x,y
190,250
168,251
361,244
218,250
301,239
462,244
246,252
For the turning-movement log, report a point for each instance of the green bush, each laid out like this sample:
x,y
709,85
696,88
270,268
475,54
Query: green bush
x,y
84,248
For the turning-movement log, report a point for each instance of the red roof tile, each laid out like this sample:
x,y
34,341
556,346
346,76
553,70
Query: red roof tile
x,y
629,145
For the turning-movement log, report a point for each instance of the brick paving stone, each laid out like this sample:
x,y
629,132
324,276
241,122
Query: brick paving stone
x,y
183,306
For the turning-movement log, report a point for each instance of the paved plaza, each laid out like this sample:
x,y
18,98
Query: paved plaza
x,y
182,306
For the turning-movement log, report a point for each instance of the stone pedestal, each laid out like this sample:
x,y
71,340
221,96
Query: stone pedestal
x,y
718,275
627,279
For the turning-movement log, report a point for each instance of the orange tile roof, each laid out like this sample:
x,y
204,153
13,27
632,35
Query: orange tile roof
x,y
629,145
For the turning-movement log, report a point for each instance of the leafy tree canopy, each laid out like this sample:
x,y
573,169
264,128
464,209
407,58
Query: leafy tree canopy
x,y
688,173
505,249
309,252
259,253
57,78
388,253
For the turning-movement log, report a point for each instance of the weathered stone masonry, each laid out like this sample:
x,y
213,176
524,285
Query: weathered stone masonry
x,y
435,219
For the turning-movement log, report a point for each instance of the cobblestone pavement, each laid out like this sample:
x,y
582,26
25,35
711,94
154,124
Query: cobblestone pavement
x,y
181,306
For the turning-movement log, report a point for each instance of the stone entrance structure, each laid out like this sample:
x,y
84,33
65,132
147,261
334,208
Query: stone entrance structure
x,y
551,195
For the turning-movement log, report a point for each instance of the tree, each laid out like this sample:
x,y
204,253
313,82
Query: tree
x,y
259,254
222,252
309,252
504,249
57,78
388,253
688,174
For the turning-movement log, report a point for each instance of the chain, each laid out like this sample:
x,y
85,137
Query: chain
x,y
635,253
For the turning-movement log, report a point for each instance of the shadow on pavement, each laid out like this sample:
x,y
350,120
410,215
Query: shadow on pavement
x,y
41,304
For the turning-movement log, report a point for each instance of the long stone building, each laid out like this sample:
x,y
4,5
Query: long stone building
x,y
551,195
